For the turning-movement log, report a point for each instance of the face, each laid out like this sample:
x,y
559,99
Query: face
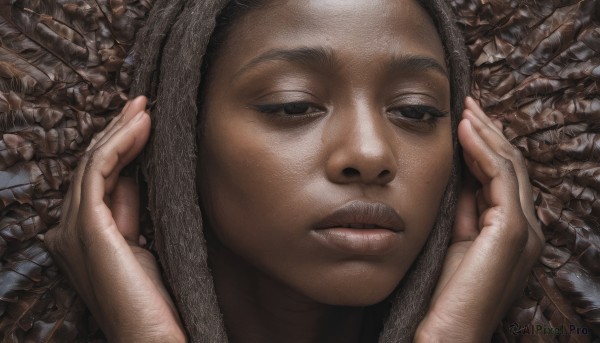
x,y
326,144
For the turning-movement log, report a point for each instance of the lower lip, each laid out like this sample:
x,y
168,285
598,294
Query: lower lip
x,y
375,241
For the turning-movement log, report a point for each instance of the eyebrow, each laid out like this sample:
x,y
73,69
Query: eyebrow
x,y
303,55
325,57
416,63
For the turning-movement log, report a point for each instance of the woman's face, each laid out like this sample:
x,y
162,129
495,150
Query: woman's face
x,y
327,145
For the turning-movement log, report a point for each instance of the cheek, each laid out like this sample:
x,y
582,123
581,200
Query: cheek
x,y
425,175
243,181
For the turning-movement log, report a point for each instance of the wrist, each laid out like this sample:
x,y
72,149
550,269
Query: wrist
x,y
150,337
153,339
435,329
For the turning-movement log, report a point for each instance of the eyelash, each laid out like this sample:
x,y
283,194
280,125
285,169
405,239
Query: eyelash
x,y
416,114
421,114
280,109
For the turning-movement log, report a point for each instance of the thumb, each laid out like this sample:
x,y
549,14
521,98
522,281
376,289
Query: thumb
x,y
467,219
125,207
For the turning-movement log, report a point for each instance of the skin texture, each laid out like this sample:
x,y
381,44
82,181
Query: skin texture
x,y
266,179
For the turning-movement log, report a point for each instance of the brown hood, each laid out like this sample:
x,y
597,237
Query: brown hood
x,y
66,68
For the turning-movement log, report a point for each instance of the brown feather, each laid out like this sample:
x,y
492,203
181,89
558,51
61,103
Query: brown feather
x,y
65,70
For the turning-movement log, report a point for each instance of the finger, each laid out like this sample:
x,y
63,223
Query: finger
x,y
488,264
71,202
108,127
465,231
502,147
482,205
473,106
498,173
474,168
113,176
498,124
125,205
74,193
466,221
135,106
108,160
492,134
119,271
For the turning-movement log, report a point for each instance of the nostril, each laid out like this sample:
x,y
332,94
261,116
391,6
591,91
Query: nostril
x,y
384,174
350,172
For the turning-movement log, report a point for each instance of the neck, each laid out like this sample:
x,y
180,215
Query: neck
x,y
257,308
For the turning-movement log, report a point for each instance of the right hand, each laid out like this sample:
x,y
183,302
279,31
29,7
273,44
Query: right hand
x,y
496,239
97,241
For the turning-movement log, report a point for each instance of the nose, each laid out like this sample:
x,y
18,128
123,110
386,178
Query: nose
x,y
361,148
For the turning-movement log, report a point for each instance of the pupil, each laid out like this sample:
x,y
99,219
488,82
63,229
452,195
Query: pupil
x,y
413,114
297,108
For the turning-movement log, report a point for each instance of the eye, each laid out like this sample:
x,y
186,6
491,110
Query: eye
x,y
289,109
417,113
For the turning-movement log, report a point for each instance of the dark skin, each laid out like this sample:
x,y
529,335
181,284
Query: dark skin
x,y
349,141
311,106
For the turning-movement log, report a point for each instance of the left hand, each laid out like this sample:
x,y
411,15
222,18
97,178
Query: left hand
x,y
97,243
496,238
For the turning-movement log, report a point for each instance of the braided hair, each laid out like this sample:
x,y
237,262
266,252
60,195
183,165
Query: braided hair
x,y
172,54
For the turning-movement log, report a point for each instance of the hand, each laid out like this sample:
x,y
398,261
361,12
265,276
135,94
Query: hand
x,y
496,238
97,241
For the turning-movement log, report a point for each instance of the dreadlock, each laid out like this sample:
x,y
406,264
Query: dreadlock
x,y
171,57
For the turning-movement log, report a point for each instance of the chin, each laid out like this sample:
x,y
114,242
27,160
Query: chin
x,y
354,285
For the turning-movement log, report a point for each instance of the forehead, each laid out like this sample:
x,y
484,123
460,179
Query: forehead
x,y
352,29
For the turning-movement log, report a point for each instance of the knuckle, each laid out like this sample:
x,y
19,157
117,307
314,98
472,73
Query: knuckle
x,y
84,239
512,154
86,157
95,158
518,233
505,165
514,232
516,157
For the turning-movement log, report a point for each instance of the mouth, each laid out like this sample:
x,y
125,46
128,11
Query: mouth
x,y
361,228
363,215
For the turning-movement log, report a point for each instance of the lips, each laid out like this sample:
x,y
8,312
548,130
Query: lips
x,y
361,228
363,215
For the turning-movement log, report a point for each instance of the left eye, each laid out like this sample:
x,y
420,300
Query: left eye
x,y
289,109
417,112
296,108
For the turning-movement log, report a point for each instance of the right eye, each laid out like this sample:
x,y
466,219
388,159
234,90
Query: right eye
x,y
289,109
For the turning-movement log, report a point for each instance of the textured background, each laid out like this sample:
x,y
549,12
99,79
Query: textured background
x,y
65,70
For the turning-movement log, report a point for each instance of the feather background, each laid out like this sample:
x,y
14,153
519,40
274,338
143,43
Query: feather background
x,y
65,70
64,73
536,67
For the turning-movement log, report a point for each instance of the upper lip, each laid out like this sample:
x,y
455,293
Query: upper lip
x,y
363,215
